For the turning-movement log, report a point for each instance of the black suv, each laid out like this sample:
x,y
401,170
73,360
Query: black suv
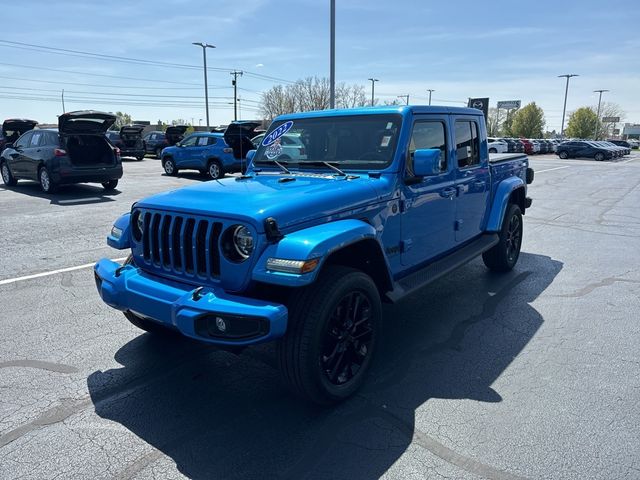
x,y
12,128
583,149
154,142
77,152
129,141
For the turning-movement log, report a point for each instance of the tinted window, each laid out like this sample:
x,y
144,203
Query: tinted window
x,y
24,140
467,144
427,135
189,141
212,140
49,138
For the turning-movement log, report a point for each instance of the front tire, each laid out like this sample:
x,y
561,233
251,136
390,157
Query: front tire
x,y
332,336
214,170
563,155
493,150
46,184
504,255
8,179
169,167
598,157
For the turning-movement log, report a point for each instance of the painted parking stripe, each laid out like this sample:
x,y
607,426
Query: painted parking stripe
x,y
551,169
53,272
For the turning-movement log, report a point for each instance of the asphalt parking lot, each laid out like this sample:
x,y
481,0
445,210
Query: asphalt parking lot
x,y
534,374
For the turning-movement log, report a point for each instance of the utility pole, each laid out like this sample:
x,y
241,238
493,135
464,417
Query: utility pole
x,y
598,115
430,90
373,81
206,88
234,82
63,110
566,91
332,61
406,97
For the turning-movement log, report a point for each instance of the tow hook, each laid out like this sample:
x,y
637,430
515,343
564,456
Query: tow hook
x,y
197,294
119,271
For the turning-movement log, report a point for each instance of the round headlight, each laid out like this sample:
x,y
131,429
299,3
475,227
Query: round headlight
x,y
243,241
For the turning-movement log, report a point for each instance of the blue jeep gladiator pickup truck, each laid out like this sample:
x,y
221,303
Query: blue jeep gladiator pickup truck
x,y
304,251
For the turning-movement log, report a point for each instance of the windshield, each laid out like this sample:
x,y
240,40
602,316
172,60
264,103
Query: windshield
x,y
361,142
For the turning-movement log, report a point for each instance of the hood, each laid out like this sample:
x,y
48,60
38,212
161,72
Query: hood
x,y
20,125
255,199
85,121
131,129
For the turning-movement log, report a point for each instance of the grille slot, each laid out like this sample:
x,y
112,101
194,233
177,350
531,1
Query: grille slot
x,y
181,244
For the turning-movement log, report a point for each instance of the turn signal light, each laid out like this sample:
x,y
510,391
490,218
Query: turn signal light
x,y
292,266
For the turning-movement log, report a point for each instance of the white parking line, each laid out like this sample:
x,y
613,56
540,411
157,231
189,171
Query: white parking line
x,y
550,169
53,272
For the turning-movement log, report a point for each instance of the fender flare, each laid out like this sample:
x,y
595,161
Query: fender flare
x,y
501,200
123,242
319,241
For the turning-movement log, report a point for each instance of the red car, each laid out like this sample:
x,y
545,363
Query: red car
x,y
528,146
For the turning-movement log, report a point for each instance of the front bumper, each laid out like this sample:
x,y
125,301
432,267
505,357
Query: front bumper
x,y
195,312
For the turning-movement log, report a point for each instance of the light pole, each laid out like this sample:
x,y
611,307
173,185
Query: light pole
x,y
332,61
234,82
566,91
206,89
373,81
598,115
199,122
406,97
430,90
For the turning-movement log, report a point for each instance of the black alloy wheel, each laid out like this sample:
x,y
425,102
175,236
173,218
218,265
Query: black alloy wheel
x,y
503,256
110,185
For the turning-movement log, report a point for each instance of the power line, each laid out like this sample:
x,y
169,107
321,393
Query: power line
x,y
112,86
109,93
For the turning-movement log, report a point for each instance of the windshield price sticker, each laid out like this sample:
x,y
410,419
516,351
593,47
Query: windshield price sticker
x,y
277,133
274,150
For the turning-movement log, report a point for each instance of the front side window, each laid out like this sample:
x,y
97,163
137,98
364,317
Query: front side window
x,y
24,140
361,142
427,135
467,144
189,141
35,139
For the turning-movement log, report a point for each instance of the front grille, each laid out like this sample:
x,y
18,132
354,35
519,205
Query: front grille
x,y
182,245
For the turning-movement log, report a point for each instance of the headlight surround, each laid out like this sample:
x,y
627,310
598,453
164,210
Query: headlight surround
x,y
137,225
243,241
238,243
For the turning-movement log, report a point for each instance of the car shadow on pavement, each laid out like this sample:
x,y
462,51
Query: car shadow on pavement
x,y
218,415
67,195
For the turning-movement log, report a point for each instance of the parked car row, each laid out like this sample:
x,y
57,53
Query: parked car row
x,y
598,150
530,146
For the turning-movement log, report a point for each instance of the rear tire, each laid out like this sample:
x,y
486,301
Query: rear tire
x,y
46,184
214,170
140,158
598,157
8,179
332,334
110,185
169,167
563,155
159,153
504,255
493,150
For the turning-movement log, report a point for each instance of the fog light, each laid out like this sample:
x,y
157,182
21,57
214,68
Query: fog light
x,y
221,324
292,266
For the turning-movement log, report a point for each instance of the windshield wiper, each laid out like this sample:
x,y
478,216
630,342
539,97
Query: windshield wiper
x,y
279,164
326,164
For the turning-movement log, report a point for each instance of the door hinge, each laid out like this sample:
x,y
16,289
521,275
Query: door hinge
x,y
457,225
405,245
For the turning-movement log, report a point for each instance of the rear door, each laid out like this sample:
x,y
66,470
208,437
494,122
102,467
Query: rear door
x,y
472,178
428,202
33,154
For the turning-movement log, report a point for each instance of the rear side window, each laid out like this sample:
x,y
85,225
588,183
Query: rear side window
x,y
35,139
467,144
49,139
212,140
427,135
202,141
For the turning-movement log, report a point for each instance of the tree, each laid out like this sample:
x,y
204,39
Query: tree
x,y
608,109
311,93
122,119
505,128
528,122
493,129
582,123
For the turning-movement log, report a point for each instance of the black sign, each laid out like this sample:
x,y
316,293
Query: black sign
x,y
480,104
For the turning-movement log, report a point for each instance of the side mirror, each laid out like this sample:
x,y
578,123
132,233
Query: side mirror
x,y
250,155
426,162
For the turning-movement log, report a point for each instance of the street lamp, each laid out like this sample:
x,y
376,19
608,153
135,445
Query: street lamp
x,y
598,115
430,90
566,91
206,89
373,81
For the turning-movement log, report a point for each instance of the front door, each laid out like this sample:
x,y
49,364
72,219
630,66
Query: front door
x,y
472,180
428,203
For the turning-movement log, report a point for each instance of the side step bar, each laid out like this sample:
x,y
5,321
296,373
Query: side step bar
x,y
439,268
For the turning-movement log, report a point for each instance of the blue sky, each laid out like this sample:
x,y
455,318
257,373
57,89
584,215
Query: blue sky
x,y
503,50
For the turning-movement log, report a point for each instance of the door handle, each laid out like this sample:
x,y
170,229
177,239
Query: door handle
x,y
448,192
